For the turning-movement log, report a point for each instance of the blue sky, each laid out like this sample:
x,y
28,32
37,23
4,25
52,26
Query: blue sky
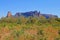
x,y
44,6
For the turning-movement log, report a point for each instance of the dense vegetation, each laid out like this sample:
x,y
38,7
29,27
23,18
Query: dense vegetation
x,y
31,28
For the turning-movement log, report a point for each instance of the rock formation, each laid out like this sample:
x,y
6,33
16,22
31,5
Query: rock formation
x,y
30,13
9,14
17,14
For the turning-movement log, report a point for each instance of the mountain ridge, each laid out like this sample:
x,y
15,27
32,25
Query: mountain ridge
x,y
30,13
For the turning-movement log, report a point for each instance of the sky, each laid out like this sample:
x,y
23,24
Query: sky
x,y
44,6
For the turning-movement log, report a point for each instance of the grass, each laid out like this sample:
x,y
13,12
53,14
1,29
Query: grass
x,y
24,30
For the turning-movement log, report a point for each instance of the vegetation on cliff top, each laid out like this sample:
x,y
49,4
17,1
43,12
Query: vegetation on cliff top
x,y
31,28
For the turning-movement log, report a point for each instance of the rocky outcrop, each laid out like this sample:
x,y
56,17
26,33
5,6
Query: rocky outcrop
x,y
30,13
17,14
9,14
27,14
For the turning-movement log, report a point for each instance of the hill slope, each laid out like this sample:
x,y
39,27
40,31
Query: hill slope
x,y
29,28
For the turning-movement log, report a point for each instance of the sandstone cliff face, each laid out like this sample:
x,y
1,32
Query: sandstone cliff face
x,y
9,14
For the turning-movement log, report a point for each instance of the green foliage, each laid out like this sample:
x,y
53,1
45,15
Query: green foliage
x,y
21,26
40,32
57,38
58,19
59,32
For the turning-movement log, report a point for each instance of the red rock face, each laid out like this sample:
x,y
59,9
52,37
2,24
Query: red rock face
x,y
9,14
